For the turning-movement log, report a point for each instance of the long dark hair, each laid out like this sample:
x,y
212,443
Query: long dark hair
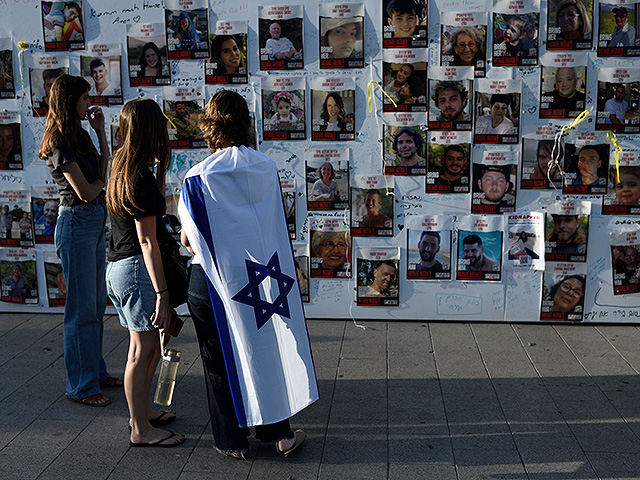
x,y
216,47
342,115
143,61
63,118
145,140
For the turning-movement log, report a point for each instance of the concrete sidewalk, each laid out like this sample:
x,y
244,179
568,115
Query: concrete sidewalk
x,y
399,400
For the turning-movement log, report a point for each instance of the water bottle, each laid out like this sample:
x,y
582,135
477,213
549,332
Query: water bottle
x,y
167,377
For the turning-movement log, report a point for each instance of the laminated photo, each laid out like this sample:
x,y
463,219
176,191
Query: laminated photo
x,y
450,98
183,107
563,85
570,24
101,68
617,28
283,104
54,279
567,230
341,35
623,190
618,96
625,261
378,276
586,164
405,79
542,161
15,219
563,290
330,247
494,183
525,240
497,111
281,37
288,187
333,108
429,253
404,145
10,141
147,54
301,257
404,23
464,40
43,70
372,206
479,240
63,25
18,276
327,174
45,201
7,81
228,62
187,29
449,161
516,31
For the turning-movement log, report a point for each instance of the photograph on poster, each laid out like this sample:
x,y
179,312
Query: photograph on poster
x,y
542,162
10,141
570,25
563,297
567,237
378,276
405,79
333,109
372,207
147,53
479,255
7,83
15,219
493,184
288,187
301,258
497,117
40,81
183,110
330,248
62,25
341,35
617,108
187,31
525,240
404,150
625,261
44,212
116,137
55,283
228,62
587,167
280,37
562,91
429,254
623,191
617,29
404,23
449,154
464,41
18,276
515,39
283,116
449,100
327,184
102,72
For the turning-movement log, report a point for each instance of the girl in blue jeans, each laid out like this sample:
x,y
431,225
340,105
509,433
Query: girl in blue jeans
x,y
78,170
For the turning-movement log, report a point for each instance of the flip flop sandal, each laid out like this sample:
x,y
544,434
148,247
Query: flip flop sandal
x,y
299,437
163,419
159,443
95,400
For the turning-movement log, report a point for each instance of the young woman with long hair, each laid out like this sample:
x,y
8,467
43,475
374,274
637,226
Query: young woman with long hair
x,y
78,170
135,279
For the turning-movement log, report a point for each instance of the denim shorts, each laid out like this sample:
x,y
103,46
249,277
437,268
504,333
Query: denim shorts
x,y
130,288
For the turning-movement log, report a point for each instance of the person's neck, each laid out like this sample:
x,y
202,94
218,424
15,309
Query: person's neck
x,y
428,264
494,124
450,177
413,160
484,201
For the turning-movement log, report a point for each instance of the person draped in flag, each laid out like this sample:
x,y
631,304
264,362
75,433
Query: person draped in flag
x,y
135,278
277,373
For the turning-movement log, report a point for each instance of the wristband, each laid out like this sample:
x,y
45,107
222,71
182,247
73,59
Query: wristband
x,y
162,291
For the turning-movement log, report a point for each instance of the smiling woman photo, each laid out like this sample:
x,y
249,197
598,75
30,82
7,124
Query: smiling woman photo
x,y
151,61
573,20
226,51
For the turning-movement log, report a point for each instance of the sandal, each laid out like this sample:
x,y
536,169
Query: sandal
x,y
165,417
237,454
111,382
299,437
160,443
95,400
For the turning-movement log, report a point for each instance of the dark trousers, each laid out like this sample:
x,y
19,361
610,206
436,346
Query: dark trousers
x,y
224,423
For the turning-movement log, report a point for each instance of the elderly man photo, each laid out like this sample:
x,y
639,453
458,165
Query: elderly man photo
x,y
624,35
451,98
429,246
408,144
384,276
476,259
566,235
565,95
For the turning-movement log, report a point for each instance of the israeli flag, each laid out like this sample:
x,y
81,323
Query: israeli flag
x,y
231,209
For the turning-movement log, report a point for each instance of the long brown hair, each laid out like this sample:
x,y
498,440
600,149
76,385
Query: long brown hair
x,y
63,118
145,140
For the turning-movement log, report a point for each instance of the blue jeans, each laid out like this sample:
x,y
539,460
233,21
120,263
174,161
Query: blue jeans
x,y
80,244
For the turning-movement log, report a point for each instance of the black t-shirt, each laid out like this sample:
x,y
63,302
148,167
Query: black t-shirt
x,y
63,152
124,238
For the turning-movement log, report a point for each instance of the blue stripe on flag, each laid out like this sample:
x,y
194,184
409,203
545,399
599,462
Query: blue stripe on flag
x,y
193,198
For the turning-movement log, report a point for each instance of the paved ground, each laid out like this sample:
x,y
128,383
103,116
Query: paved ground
x,y
399,400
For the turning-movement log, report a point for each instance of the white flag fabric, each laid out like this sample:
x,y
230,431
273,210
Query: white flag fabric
x,y
231,209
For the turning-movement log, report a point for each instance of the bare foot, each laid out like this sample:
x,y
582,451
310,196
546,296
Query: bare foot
x,y
157,437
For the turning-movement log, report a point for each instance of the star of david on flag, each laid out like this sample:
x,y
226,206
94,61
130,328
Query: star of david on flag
x,y
250,294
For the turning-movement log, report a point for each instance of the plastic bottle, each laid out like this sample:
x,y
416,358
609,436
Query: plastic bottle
x,y
167,377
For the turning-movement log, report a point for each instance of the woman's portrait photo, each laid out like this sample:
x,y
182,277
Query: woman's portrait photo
x,y
570,25
147,52
333,115
405,83
341,42
563,297
464,46
327,185
10,146
330,254
228,62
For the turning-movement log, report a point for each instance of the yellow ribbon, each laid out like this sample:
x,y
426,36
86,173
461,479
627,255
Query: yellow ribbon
x,y
555,151
380,87
614,141
23,47
169,120
577,121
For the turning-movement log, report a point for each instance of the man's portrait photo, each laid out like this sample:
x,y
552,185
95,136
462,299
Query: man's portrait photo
x,y
493,190
562,91
586,168
378,282
449,107
617,108
448,168
428,254
472,256
566,237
